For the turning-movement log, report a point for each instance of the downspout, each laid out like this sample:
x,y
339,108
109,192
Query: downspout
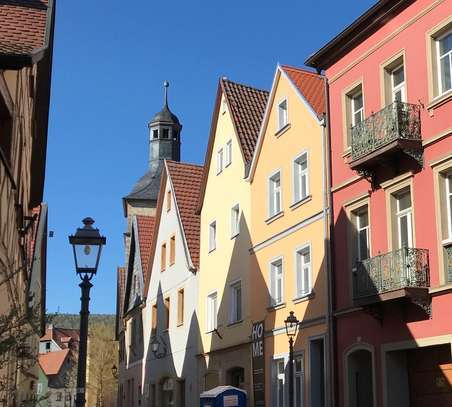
x,y
328,222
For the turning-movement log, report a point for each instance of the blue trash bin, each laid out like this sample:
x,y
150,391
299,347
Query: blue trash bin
x,y
223,396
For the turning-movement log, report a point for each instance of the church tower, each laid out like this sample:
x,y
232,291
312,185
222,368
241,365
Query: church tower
x,y
164,143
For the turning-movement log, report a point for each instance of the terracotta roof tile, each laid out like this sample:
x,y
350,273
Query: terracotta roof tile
x,y
145,232
51,362
247,106
186,180
311,86
22,25
61,335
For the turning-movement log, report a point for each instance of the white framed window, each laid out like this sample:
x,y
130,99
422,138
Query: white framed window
x,y
212,236
357,108
276,282
39,389
274,194
235,220
224,105
303,268
404,215
228,155
219,161
298,378
283,118
212,312
235,302
444,62
398,88
449,204
362,234
300,177
280,382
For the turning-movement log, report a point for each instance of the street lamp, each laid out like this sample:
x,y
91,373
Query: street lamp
x,y
87,246
155,347
291,329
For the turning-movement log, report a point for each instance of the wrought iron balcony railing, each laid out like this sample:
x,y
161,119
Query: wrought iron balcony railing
x,y
397,121
399,269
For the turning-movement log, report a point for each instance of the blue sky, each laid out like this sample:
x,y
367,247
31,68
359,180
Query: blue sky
x,y
110,60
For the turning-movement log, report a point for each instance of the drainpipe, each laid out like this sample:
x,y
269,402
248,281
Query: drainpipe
x,y
328,213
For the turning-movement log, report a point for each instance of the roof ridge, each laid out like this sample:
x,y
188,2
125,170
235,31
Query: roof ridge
x,y
295,68
244,85
184,163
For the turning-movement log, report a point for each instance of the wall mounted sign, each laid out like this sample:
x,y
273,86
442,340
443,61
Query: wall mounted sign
x,y
258,356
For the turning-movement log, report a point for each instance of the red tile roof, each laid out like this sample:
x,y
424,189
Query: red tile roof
x,y
52,362
311,86
121,289
247,107
61,335
22,26
186,180
145,231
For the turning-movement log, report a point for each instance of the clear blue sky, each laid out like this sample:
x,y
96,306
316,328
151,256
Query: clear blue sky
x,y
110,60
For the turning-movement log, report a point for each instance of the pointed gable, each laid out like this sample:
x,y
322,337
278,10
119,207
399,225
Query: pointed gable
x,y
310,85
186,181
145,231
247,107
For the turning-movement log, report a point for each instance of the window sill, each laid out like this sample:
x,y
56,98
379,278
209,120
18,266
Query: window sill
x,y
276,306
227,165
297,204
347,152
303,298
271,219
231,324
447,242
212,250
442,289
440,100
282,130
179,324
235,235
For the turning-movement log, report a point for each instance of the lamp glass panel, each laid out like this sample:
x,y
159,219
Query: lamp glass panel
x,y
86,256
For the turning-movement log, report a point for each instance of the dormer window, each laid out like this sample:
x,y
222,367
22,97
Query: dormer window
x,y
165,133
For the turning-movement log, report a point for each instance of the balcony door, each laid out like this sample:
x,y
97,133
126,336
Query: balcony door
x,y
404,217
398,88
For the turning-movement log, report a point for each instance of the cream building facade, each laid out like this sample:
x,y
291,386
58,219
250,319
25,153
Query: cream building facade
x,y
224,284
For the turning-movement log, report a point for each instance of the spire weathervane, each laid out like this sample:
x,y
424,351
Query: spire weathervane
x,y
165,85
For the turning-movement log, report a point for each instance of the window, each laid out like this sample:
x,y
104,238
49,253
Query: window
x,y
59,396
235,308
172,255
300,178
280,380
228,157
235,220
167,312
276,282
398,91
298,381
168,200
154,320
224,105
404,219
180,307
155,133
274,194
212,236
163,257
362,233
212,310
449,204
47,346
39,390
219,161
282,114
303,266
444,62
68,397
165,133
354,111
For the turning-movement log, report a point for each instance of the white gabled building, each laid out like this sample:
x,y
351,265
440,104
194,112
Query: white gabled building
x,y
171,331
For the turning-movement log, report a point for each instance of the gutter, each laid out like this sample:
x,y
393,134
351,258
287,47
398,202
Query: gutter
x,y
328,233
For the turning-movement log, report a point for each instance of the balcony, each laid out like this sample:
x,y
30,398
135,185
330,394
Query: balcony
x,y
403,273
385,136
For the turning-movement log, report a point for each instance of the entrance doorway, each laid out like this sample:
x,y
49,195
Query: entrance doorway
x,y
360,378
317,372
236,377
168,393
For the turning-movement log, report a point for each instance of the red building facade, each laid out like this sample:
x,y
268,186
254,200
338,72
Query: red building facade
x,y
390,101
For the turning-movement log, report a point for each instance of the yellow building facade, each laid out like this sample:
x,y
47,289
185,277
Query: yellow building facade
x,y
288,179
224,306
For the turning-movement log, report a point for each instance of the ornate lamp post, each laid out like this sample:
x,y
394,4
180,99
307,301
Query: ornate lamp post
x,y
87,246
158,349
291,329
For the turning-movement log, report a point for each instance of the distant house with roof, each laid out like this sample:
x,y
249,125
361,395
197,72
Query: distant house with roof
x,y
58,353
